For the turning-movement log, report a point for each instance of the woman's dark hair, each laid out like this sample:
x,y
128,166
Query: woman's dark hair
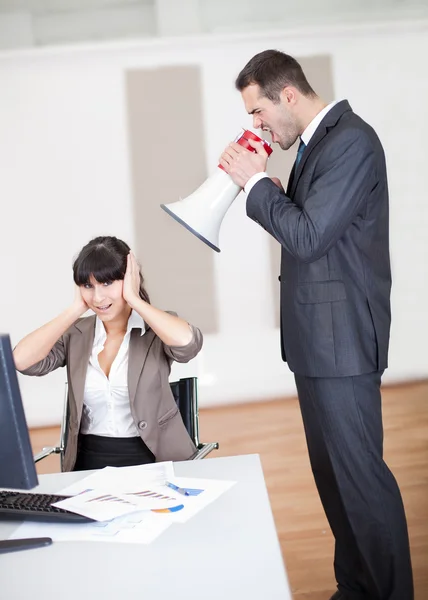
x,y
272,71
104,258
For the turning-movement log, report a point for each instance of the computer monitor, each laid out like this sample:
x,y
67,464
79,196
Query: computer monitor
x,y
17,468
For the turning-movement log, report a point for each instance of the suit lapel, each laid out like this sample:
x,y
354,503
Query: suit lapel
x,y
80,352
290,180
329,121
139,346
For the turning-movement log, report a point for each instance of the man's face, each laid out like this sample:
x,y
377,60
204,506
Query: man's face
x,y
277,118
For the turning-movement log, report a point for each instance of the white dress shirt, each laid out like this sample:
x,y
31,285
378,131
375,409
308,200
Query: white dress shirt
x,y
106,409
305,137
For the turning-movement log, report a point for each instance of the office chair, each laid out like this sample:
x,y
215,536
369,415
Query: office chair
x,y
185,392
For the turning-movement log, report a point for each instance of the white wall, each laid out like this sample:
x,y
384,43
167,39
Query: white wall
x,y
64,177
26,23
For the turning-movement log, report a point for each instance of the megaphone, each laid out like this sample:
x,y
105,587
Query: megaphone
x,y
202,212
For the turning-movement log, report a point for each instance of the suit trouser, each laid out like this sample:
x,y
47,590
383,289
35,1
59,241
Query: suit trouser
x,y
342,418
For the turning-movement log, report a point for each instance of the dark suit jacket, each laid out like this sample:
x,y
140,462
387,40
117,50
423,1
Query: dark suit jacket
x,y
153,407
333,226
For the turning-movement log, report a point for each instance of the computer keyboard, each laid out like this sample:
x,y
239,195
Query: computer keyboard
x,y
23,505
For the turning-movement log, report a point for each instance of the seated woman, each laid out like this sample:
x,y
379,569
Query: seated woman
x,y
120,405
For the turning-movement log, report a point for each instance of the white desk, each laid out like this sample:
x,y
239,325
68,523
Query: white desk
x,y
229,551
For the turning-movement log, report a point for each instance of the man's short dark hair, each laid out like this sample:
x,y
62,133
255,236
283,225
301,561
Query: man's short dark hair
x,y
272,71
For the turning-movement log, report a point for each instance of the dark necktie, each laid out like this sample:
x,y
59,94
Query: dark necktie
x,y
300,151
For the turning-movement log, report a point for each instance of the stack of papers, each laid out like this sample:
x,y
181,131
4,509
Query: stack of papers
x,y
128,504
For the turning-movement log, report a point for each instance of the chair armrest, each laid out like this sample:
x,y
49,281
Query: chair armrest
x,y
47,452
203,450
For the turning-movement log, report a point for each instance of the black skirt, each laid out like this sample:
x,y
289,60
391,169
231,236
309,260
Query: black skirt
x,y
97,452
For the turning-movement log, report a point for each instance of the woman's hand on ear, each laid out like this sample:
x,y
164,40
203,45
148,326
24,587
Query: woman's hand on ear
x,y
79,305
131,281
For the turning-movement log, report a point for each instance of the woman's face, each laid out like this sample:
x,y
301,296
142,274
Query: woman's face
x,y
105,299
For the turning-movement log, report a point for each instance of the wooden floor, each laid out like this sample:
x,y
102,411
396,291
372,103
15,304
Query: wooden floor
x,y
274,430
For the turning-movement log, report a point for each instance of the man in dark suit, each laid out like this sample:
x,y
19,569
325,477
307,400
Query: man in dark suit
x,y
332,224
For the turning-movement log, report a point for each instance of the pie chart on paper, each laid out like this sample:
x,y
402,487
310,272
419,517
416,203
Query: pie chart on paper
x,y
171,509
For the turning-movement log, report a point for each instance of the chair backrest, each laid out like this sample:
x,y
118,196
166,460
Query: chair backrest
x,y
185,392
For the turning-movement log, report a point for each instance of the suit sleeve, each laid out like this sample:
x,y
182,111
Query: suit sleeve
x,y
344,177
54,360
183,354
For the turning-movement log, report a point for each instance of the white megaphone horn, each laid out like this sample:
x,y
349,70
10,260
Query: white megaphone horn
x,y
202,212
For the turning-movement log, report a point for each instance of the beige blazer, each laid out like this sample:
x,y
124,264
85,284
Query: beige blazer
x,y
152,403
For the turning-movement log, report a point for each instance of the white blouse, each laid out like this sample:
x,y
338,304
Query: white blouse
x,y
106,408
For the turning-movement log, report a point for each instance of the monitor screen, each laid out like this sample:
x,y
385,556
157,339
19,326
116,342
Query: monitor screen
x,y
17,468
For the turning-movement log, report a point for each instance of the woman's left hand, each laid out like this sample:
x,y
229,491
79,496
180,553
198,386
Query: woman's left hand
x,y
131,281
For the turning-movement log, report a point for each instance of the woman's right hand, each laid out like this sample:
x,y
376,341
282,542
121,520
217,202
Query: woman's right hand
x,y
36,345
79,305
